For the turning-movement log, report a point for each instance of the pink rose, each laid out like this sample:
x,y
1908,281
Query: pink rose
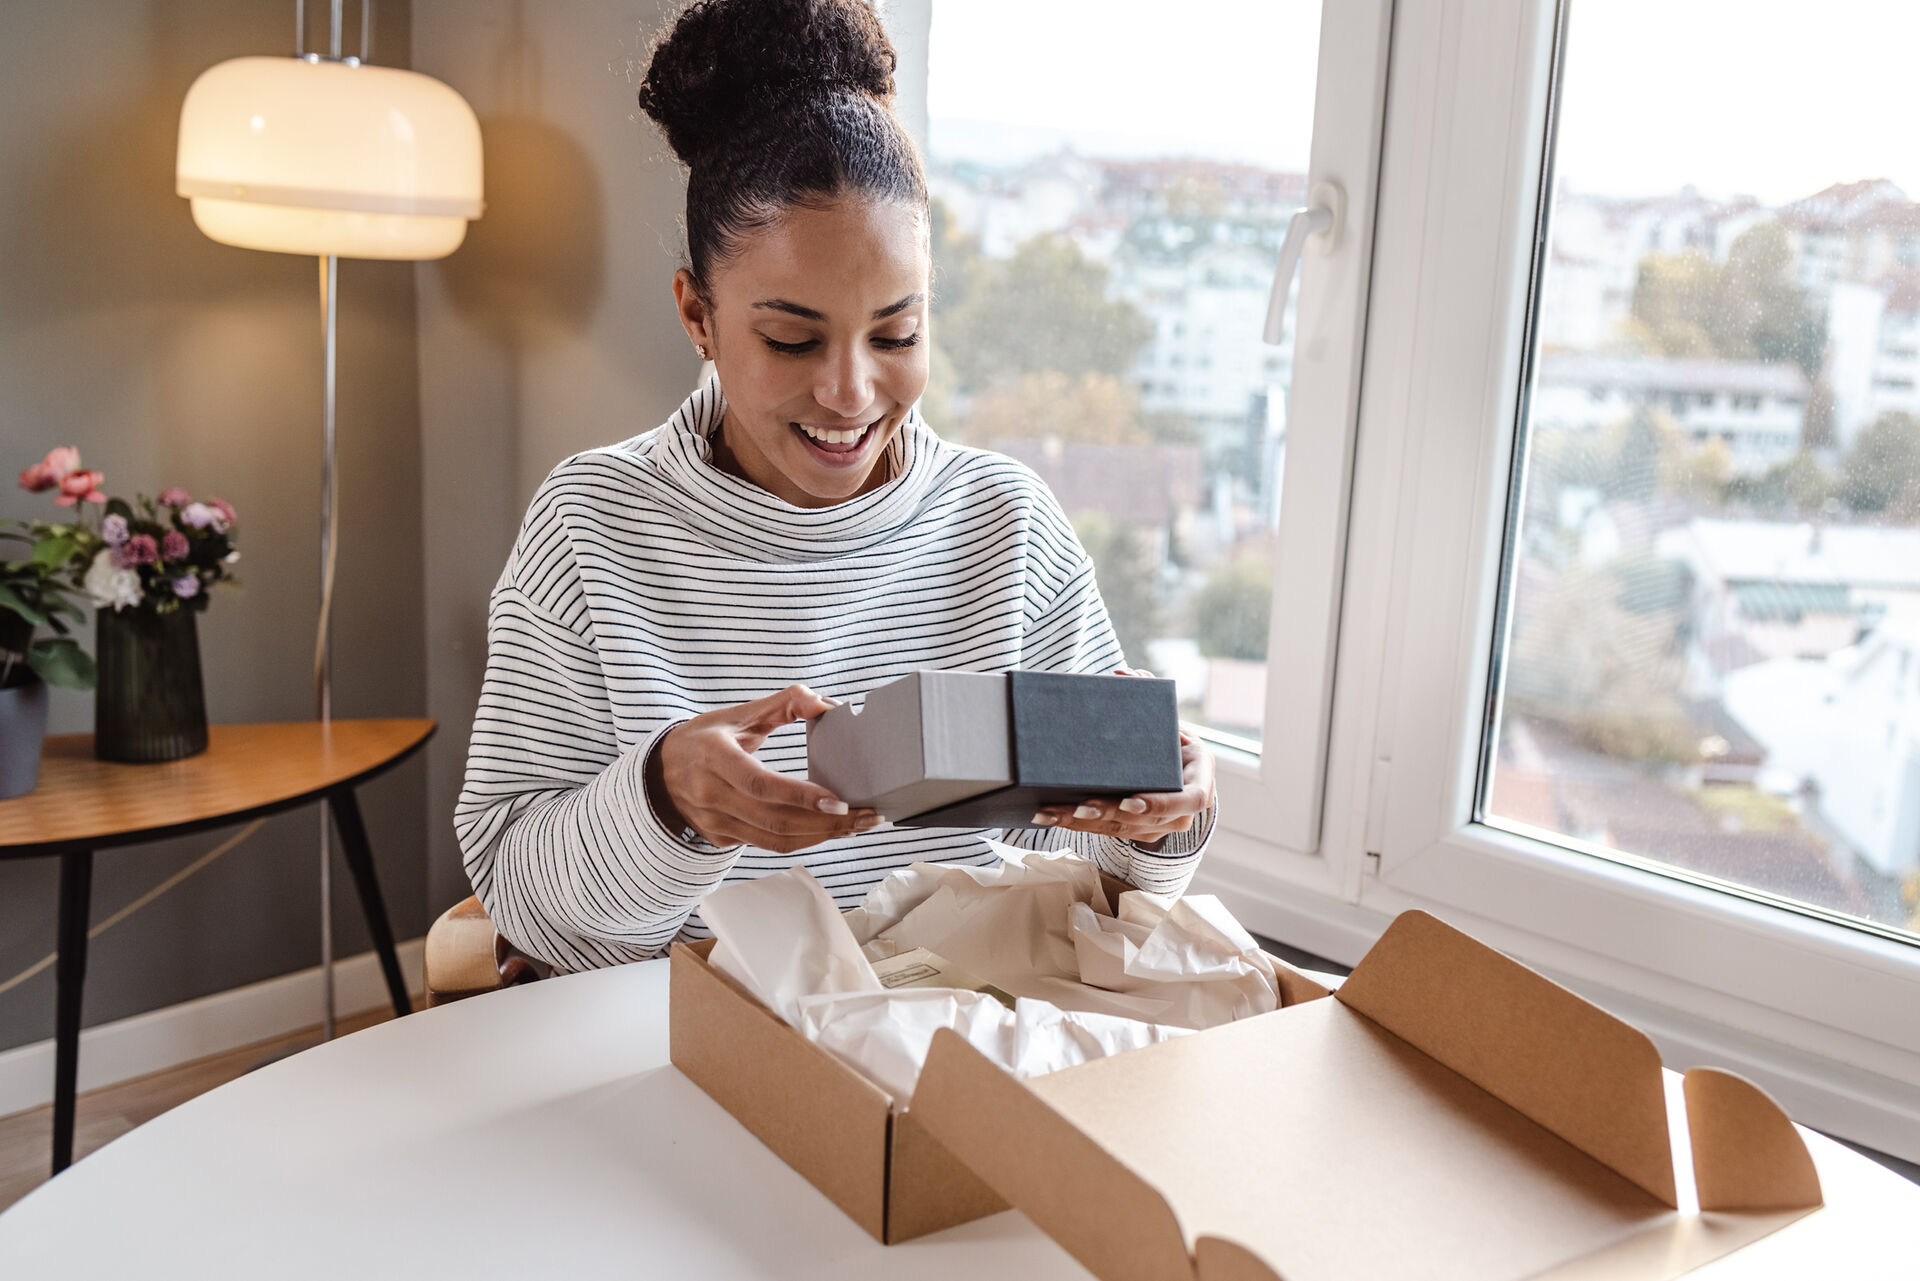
x,y
225,508
141,550
38,478
173,546
61,461
81,486
175,497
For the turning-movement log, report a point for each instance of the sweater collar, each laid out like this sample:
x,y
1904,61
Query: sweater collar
x,y
740,514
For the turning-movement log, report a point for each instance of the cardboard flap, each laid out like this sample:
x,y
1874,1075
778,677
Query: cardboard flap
x,y
1217,1259
1099,1211
1555,1058
1747,1155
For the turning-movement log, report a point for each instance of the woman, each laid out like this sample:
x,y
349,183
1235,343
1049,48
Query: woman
x,y
678,605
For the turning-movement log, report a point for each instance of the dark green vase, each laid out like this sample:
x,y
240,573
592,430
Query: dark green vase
x,y
149,704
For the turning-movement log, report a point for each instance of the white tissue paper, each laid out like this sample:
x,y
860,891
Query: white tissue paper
x,y
1088,984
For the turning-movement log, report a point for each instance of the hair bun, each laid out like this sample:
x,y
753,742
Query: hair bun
x,y
724,61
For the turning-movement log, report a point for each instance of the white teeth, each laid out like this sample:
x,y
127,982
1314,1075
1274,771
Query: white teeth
x,y
829,437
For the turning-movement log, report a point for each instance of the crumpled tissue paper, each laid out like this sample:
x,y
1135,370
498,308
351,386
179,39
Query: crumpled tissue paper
x,y
1092,979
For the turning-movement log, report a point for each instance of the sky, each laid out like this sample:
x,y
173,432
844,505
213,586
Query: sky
x,y
1772,98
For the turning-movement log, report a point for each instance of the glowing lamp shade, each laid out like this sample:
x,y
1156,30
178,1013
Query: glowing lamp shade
x,y
313,157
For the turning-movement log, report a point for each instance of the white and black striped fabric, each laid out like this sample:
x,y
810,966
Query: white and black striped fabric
x,y
646,586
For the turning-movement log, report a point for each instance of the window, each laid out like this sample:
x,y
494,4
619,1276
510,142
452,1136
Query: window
x,y
1147,230
1654,703
1097,219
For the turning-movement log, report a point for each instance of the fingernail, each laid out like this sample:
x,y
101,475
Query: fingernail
x,y
1086,811
1044,819
827,806
1134,805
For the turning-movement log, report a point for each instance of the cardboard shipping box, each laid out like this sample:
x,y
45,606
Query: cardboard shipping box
x,y
986,749
1447,1113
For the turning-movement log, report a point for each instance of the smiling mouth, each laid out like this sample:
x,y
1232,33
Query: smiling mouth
x,y
836,445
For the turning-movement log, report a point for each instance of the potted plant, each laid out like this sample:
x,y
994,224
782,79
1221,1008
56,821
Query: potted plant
x,y
147,565
32,599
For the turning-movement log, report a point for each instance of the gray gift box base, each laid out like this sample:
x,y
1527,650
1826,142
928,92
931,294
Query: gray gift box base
x,y
986,749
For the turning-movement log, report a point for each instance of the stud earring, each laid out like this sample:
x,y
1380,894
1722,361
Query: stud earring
x,y
702,349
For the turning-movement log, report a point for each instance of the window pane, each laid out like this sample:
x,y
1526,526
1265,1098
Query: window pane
x,y
1712,653
1105,233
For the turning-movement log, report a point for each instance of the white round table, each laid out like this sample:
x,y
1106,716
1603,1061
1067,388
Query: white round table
x,y
541,1132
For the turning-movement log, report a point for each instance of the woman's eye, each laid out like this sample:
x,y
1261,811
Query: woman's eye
x,y
790,348
896,344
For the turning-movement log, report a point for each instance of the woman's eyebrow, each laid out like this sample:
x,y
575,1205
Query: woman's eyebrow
x,y
808,313
791,308
894,309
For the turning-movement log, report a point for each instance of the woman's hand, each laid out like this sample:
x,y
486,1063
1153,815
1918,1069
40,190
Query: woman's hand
x,y
1150,816
705,770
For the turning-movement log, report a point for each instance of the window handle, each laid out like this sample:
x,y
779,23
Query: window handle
x,y
1320,222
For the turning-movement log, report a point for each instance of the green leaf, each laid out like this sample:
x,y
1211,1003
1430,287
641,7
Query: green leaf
x,y
63,662
119,507
58,604
53,552
11,600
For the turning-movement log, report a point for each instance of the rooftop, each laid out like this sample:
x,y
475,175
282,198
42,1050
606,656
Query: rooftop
x,y
1668,374
1758,551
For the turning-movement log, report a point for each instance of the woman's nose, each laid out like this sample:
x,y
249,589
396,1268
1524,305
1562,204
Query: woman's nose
x,y
845,385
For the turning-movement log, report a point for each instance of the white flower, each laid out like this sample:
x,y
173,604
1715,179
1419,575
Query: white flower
x,y
199,515
110,586
231,558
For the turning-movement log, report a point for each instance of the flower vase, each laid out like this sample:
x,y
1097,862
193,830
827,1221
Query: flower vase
x,y
149,704
23,726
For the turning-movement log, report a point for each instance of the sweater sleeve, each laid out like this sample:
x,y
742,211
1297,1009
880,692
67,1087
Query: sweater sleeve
x,y
553,822
1071,632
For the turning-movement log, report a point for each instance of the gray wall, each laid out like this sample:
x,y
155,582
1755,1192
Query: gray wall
x,y
169,359
552,330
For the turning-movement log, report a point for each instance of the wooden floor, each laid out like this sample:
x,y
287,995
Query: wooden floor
x,y
26,1138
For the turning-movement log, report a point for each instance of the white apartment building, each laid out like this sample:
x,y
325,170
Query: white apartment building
x,y
1757,410
1873,352
1851,231
1208,305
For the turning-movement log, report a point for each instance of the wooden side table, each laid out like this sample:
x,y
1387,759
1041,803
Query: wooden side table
x,y
247,772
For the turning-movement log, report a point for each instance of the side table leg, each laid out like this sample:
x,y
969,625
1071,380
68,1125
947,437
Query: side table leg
x,y
70,976
359,856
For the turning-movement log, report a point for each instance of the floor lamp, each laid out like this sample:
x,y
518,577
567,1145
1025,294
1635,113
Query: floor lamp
x,y
329,156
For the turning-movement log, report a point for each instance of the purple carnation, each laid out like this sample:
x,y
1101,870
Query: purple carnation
x,y
142,550
175,497
225,509
186,585
173,546
114,530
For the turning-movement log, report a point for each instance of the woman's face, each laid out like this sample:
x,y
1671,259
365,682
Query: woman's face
x,y
817,326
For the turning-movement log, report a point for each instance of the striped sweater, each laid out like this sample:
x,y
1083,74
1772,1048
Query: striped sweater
x,y
646,587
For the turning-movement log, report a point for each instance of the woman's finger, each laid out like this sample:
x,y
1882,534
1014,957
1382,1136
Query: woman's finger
x,y
745,774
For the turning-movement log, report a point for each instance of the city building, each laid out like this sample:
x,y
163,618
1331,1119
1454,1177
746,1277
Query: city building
x,y
1873,351
1756,410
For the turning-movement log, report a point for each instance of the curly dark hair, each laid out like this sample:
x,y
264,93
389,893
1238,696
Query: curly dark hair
x,y
772,104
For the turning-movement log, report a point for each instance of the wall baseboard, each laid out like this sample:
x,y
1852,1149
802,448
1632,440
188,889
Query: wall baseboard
x,y
176,1034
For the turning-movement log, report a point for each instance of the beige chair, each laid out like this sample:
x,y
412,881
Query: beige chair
x,y
465,956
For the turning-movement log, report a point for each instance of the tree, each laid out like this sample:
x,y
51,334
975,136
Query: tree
x,y
1093,409
1123,566
1045,308
1601,653
1233,608
1798,485
1883,468
1746,308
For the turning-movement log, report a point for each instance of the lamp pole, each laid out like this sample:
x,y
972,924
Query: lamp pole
x,y
329,530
